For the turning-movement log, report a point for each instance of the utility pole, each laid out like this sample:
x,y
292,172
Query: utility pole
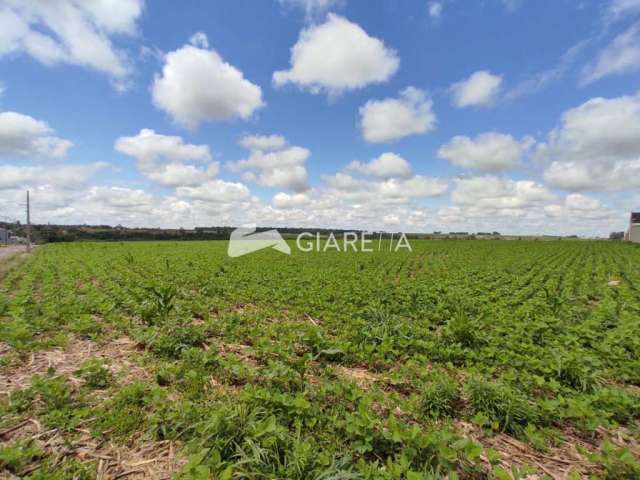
x,y
28,224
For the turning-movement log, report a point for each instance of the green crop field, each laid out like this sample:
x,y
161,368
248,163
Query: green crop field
x,y
460,359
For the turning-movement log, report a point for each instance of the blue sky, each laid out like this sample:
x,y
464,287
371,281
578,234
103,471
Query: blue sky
x,y
517,116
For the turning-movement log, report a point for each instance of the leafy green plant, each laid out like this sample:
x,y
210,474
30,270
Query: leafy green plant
x,y
324,366
95,373
77,470
159,303
86,326
16,457
54,397
172,338
618,463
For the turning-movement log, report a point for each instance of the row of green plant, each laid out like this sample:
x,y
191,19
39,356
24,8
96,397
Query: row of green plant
x,y
533,339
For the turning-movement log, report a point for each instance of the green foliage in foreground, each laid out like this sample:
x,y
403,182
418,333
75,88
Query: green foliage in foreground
x,y
333,365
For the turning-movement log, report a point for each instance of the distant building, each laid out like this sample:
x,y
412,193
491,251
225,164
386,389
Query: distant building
x,y
8,238
633,234
5,235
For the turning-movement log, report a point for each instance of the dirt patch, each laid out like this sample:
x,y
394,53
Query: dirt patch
x,y
65,361
5,349
217,387
11,250
241,308
10,257
242,352
361,376
140,459
622,437
559,462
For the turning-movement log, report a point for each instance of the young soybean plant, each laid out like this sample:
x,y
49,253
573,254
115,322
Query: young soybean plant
x,y
95,374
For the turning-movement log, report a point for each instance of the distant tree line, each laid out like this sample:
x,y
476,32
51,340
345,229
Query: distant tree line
x,y
48,233
72,233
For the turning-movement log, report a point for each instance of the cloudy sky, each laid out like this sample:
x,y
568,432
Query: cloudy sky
x,y
521,116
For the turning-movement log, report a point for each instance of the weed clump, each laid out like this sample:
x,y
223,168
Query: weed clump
x,y
578,373
501,405
439,397
126,412
172,338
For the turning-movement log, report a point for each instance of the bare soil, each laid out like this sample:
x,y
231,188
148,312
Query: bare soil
x,y
10,251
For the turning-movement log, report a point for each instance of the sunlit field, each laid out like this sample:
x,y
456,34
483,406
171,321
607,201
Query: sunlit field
x,y
460,359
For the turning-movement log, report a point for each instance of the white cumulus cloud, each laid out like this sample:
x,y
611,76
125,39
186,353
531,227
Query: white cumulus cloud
x,y
179,174
197,85
294,178
215,191
120,197
481,89
24,136
263,142
148,145
488,152
580,207
258,159
337,55
275,165
70,31
161,158
415,187
285,200
387,165
596,147
394,118
59,176
395,190
499,193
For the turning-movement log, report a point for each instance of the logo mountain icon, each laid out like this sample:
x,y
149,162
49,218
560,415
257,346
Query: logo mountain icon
x,y
244,240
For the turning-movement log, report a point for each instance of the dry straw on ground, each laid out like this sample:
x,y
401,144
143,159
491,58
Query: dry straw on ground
x,y
139,458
